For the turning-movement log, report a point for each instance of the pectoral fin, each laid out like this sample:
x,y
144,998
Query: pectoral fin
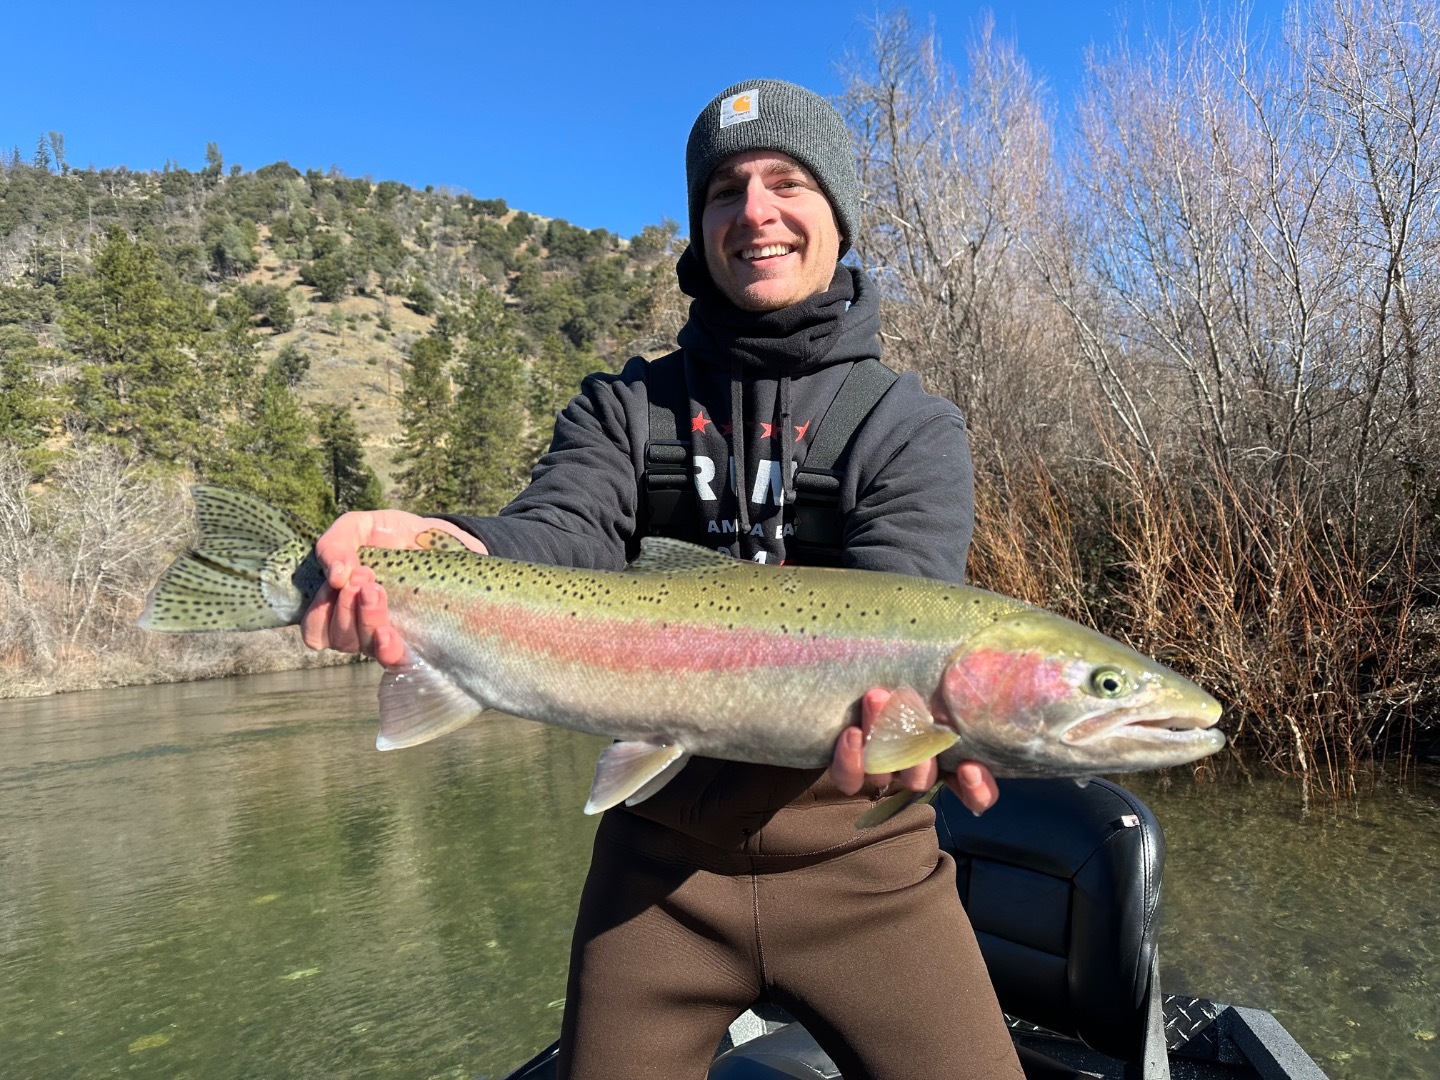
x,y
887,808
419,703
904,734
630,772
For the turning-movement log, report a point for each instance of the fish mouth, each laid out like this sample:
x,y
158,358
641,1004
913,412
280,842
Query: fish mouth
x,y
1165,729
1159,734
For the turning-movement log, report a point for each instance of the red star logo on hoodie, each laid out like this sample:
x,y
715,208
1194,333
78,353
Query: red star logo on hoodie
x,y
698,422
767,431
800,430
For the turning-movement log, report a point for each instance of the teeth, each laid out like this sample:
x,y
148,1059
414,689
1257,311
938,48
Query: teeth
x,y
766,251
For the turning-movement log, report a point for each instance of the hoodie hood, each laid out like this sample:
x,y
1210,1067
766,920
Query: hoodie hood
x,y
838,325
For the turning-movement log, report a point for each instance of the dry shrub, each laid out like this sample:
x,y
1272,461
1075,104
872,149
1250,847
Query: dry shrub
x,y
1311,638
76,560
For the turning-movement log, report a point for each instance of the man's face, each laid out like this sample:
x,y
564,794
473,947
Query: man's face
x,y
770,235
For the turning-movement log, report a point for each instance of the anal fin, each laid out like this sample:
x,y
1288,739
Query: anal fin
x,y
630,772
419,703
904,734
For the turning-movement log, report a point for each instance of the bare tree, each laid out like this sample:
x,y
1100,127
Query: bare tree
x,y
18,544
948,170
112,522
1238,252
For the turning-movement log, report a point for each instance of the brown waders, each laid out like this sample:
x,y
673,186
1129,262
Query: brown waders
x,y
860,936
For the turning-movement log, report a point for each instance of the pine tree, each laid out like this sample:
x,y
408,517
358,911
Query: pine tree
x,y
353,484
149,376
26,410
42,155
279,313
214,163
488,459
554,379
57,150
270,451
425,405
290,364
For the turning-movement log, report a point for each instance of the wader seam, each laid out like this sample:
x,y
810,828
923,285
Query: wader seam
x,y
764,979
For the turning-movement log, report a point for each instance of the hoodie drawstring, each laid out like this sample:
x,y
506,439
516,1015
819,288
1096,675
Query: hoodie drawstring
x,y
737,454
787,445
747,547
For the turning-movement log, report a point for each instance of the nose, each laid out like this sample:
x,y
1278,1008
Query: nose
x,y
758,206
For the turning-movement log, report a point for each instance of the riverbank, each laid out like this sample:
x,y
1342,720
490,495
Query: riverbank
x,y
154,659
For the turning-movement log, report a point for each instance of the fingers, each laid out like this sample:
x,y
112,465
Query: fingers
x,y
389,649
350,613
348,619
975,784
338,546
847,768
920,777
316,619
378,638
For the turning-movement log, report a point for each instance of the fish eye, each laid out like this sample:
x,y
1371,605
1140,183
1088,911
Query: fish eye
x,y
1108,682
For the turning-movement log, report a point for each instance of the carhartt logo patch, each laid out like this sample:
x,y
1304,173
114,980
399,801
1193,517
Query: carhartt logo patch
x,y
740,107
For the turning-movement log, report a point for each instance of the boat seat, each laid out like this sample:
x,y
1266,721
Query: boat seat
x,y
1062,886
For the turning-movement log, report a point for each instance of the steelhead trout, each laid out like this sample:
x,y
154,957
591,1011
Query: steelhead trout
x,y
687,651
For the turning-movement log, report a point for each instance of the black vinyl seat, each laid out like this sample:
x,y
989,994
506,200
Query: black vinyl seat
x,y
1062,885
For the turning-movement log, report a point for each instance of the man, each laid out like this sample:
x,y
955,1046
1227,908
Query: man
x,y
737,882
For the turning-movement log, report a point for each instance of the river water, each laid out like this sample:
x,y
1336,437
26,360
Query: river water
x,y
225,879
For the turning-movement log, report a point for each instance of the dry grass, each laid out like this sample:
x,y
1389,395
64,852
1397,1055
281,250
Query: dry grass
x,y
360,367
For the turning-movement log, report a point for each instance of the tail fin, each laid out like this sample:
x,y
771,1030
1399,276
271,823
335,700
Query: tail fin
x,y
252,568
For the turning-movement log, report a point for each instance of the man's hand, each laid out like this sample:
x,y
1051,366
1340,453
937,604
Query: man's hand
x,y
972,781
350,613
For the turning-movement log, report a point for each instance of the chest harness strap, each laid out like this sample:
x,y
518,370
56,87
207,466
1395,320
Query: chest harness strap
x,y
819,527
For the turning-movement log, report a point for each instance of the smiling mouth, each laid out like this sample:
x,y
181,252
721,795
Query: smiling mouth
x,y
765,251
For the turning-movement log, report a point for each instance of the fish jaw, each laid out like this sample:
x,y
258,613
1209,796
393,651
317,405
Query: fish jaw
x,y
1037,695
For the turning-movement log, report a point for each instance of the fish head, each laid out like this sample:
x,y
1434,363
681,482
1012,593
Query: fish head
x,y
1034,694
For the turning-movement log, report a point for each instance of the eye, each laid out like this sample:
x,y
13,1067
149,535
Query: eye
x,y
1108,682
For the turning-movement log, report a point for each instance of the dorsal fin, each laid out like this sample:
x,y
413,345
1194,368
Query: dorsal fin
x,y
662,555
236,528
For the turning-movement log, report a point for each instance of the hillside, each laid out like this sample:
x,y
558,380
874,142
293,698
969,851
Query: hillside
x,y
347,272
326,342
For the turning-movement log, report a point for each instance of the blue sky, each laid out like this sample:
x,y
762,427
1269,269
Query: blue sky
x,y
574,110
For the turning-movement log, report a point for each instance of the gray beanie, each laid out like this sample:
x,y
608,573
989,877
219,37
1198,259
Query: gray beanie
x,y
767,114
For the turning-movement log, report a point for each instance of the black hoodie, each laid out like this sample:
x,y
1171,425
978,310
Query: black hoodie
x,y
907,498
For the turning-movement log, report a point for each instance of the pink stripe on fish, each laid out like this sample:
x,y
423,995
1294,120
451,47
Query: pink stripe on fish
x,y
643,645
